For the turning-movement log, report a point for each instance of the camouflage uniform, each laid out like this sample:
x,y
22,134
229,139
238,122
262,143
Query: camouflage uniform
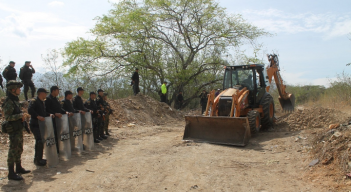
x,y
13,116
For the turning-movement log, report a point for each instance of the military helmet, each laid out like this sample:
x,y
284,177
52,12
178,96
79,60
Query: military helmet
x,y
12,84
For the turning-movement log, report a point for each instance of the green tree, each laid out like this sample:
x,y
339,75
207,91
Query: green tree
x,y
179,41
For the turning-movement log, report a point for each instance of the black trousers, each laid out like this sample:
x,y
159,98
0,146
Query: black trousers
x,y
39,143
163,98
26,86
180,104
136,89
95,127
203,105
101,127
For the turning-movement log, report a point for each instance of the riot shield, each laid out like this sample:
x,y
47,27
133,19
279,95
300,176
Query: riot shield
x,y
47,133
75,131
63,136
87,128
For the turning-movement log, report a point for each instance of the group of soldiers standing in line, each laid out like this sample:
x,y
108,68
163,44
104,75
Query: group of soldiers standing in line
x,y
42,106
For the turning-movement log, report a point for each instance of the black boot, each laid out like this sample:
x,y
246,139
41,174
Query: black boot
x,y
39,162
20,169
38,156
96,141
12,175
103,136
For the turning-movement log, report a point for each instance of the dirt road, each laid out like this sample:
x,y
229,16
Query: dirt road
x,y
156,159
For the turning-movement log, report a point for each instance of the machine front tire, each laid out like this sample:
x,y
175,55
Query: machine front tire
x,y
254,121
268,112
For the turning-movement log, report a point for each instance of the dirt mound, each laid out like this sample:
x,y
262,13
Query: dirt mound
x,y
142,110
331,148
316,117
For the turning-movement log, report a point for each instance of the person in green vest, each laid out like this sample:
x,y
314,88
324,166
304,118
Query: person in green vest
x,y
163,92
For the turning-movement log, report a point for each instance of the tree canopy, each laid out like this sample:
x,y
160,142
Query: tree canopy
x,y
183,42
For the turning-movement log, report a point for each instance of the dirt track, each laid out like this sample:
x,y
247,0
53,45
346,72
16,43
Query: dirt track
x,y
156,159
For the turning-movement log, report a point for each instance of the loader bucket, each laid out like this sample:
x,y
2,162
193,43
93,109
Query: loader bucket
x,y
288,104
218,130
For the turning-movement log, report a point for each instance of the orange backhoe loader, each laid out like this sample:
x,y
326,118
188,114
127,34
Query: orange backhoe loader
x,y
243,108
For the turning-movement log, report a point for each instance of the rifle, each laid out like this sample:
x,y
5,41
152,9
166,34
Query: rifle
x,y
24,123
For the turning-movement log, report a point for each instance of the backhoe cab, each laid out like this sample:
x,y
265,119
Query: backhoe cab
x,y
243,108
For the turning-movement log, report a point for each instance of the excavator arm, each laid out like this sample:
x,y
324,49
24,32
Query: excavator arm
x,y
287,100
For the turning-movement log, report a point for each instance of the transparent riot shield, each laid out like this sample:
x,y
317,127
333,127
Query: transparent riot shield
x,y
87,128
63,136
47,133
75,131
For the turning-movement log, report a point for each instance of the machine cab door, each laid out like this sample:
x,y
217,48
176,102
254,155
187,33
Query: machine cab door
x,y
261,86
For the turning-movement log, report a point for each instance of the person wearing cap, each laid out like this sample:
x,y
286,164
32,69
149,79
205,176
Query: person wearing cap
x,y
91,104
78,101
100,104
203,101
99,99
164,92
38,113
9,72
67,103
26,74
135,81
107,112
14,127
53,106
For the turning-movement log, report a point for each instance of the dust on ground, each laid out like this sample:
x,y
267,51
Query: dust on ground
x,y
153,157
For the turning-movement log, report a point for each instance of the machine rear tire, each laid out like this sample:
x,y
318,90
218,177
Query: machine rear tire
x,y
268,112
254,121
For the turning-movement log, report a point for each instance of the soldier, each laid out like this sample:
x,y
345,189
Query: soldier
x,y
14,127
203,101
67,103
91,104
38,113
100,104
9,72
53,106
26,74
78,101
108,111
135,81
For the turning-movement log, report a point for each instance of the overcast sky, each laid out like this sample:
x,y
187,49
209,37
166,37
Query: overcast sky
x,y
311,37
